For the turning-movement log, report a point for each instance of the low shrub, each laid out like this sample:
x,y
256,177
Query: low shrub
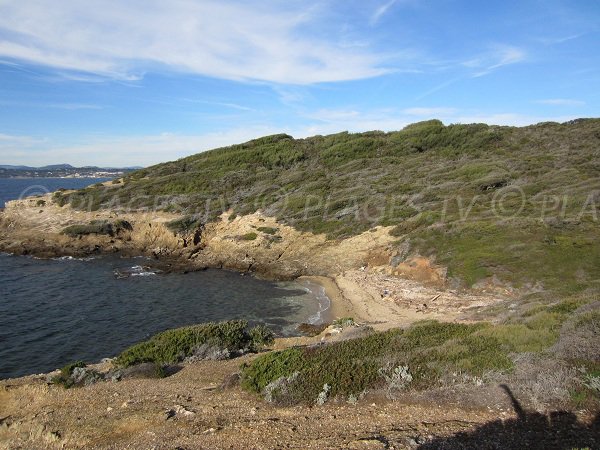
x,y
121,224
184,225
101,227
343,322
268,230
261,336
83,230
249,236
175,345
65,379
580,336
428,349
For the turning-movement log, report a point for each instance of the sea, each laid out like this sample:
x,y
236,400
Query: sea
x,y
56,311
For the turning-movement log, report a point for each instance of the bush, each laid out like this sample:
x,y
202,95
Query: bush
x,y
249,236
430,349
65,379
101,227
580,336
343,322
261,336
175,345
184,225
268,230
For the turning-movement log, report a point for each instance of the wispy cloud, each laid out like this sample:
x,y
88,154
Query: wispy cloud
x,y
501,56
381,11
439,87
120,151
560,39
430,112
232,40
561,102
65,106
7,140
221,104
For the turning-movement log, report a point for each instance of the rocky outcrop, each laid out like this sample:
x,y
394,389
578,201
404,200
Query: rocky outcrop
x,y
253,243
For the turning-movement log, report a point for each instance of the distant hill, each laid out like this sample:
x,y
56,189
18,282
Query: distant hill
x,y
52,167
488,202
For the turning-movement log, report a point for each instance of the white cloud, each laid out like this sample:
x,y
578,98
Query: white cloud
x,y
231,40
333,121
7,140
381,11
560,40
498,57
510,119
120,151
561,102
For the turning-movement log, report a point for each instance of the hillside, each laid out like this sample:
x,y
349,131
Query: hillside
x,y
514,205
462,265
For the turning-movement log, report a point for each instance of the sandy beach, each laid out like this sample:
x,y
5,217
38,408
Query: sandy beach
x,y
382,301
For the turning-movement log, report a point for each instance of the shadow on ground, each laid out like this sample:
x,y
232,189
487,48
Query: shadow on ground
x,y
530,430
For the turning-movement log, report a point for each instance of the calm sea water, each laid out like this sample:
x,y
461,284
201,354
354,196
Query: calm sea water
x,y
14,188
56,311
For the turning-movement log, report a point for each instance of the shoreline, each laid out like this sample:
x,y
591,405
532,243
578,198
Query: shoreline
x,y
339,305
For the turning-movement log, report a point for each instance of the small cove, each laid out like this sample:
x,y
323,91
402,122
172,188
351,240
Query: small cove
x,y
55,311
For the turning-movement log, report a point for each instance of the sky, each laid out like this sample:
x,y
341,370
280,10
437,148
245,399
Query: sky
x,y
132,83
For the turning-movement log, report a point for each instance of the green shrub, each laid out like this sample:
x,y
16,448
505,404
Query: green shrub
x,y
102,227
184,225
268,230
249,236
343,322
121,224
174,345
64,378
261,336
427,349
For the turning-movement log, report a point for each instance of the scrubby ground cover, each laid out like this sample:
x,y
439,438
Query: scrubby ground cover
x,y
517,203
173,346
501,204
430,354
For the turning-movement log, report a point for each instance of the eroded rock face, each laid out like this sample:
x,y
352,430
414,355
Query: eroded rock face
x,y
254,243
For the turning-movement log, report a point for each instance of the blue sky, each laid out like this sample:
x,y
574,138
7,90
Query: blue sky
x,y
116,83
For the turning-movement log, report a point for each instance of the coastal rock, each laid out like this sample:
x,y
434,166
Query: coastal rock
x,y
221,244
208,352
83,376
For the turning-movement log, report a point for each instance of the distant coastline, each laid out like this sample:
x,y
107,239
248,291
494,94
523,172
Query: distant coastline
x,y
62,171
